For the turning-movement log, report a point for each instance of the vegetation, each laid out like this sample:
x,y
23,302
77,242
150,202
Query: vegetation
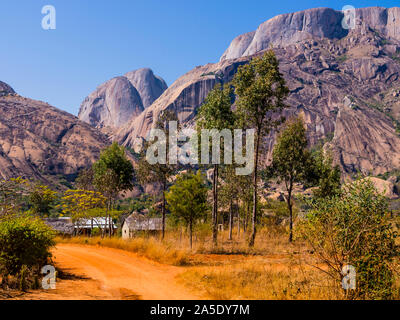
x,y
261,91
291,160
25,244
159,173
113,174
187,200
216,114
354,228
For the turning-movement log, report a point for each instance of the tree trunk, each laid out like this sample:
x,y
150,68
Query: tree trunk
x,y
255,178
191,234
290,207
163,210
215,205
230,220
238,218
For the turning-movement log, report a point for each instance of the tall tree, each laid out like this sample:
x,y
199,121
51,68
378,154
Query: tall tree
x,y
113,174
291,160
261,91
187,200
216,113
41,199
159,173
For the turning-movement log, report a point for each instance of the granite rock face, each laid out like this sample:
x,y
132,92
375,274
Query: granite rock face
x,y
149,86
40,142
319,23
120,99
344,82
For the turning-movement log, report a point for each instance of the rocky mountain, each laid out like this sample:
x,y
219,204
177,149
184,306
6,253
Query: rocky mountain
x,y
38,141
118,100
345,83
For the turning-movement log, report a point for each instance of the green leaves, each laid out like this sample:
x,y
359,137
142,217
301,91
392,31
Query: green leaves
x,y
187,198
113,172
354,228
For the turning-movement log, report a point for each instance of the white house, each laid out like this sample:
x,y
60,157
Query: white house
x,y
137,223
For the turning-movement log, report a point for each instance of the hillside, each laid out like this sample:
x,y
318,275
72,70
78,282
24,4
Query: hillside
x,y
38,141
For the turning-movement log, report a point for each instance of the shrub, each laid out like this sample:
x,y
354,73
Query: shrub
x,y
354,228
25,242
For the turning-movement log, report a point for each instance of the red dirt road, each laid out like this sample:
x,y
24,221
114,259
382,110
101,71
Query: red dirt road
x,y
105,273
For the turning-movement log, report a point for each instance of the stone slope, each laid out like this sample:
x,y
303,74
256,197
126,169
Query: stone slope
x,y
38,141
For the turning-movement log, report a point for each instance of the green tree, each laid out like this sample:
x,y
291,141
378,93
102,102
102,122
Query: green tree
x,y
324,174
261,91
216,113
113,174
159,173
354,228
41,198
12,193
291,160
187,200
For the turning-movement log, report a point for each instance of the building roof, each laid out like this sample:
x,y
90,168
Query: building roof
x,y
98,222
61,225
138,222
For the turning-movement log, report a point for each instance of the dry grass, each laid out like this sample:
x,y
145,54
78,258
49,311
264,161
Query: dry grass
x,y
259,281
147,247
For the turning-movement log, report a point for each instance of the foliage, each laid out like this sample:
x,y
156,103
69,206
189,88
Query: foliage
x,y
324,174
113,172
354,228
291,160
216,114
41,199
261,91
12,194
25,242
79,204
187,199
159,173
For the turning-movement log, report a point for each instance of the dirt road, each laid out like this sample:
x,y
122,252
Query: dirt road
x,y
105,273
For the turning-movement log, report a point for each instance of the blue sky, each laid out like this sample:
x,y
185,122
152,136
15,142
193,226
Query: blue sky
x,y
97,40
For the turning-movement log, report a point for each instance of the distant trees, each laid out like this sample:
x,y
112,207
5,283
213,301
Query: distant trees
x,y
187,200
41,199
216,114
261,91
113,173
291,160
83,205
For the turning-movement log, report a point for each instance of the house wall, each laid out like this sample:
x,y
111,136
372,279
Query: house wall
x,y
125,231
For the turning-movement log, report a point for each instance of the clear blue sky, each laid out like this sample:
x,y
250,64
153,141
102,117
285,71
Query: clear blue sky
x,y
96,40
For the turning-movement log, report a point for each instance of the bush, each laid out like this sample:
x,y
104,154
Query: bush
x,y
354,228
25,243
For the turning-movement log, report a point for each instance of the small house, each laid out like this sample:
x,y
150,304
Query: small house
x,y
137,223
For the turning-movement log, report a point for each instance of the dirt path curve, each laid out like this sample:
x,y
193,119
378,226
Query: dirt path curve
x,y
119,274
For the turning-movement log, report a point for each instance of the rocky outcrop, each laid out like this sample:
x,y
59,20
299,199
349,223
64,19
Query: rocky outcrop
x,y
40,142
5,89
319,23
183,97
149,86
118,100
345,83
